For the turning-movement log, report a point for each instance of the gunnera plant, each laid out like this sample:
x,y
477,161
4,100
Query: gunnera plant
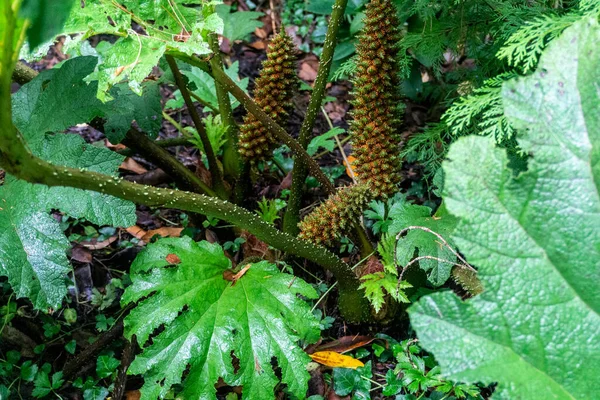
x,y
336,216
377,107
375,138
274,89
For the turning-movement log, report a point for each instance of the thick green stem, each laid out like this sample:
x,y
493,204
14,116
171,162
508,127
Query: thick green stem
x,y
172,142
292,213
185,178
204,103
16,160
273,127
231,158
215,170
23,73
140,143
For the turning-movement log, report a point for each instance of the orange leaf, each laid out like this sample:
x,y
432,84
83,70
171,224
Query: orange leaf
x,y
336,360
350,171
164,232
120,70
173,259
136,232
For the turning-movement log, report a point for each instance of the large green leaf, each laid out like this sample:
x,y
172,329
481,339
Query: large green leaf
x,y
168,25
32,246
535,238
406,215
47,18
208,319
127,106
238,25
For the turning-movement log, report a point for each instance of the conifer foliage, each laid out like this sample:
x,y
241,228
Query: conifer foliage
x,y
334,217
275,87
376,101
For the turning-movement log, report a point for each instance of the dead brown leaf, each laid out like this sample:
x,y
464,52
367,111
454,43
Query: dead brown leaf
x,y
334,396
258,45
237,276
95,245
114,147
81,254
173,259
165,231
336,111
345,344
228,275
129,164
136,232
254,247
203,173
211,237
308,68
133,395
371,266
260,33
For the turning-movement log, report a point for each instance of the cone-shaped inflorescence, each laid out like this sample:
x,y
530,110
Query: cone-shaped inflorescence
x,y
377,107
334,218
275,87
468,280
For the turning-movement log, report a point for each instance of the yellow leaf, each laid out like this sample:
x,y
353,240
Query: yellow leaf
x,y
350,171
336,360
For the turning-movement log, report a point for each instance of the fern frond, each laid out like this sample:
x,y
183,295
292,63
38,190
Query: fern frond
x,y
428,148
481,110
524,47
347,69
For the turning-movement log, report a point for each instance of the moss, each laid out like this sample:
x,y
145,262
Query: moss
x,y
334,218
274,90
377,106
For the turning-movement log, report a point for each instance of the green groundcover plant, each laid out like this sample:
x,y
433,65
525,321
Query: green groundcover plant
x,y
511,222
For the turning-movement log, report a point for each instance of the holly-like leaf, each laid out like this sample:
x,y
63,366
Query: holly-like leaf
x,y
207,319
404,215
32,245
106,365
347,381
535,238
